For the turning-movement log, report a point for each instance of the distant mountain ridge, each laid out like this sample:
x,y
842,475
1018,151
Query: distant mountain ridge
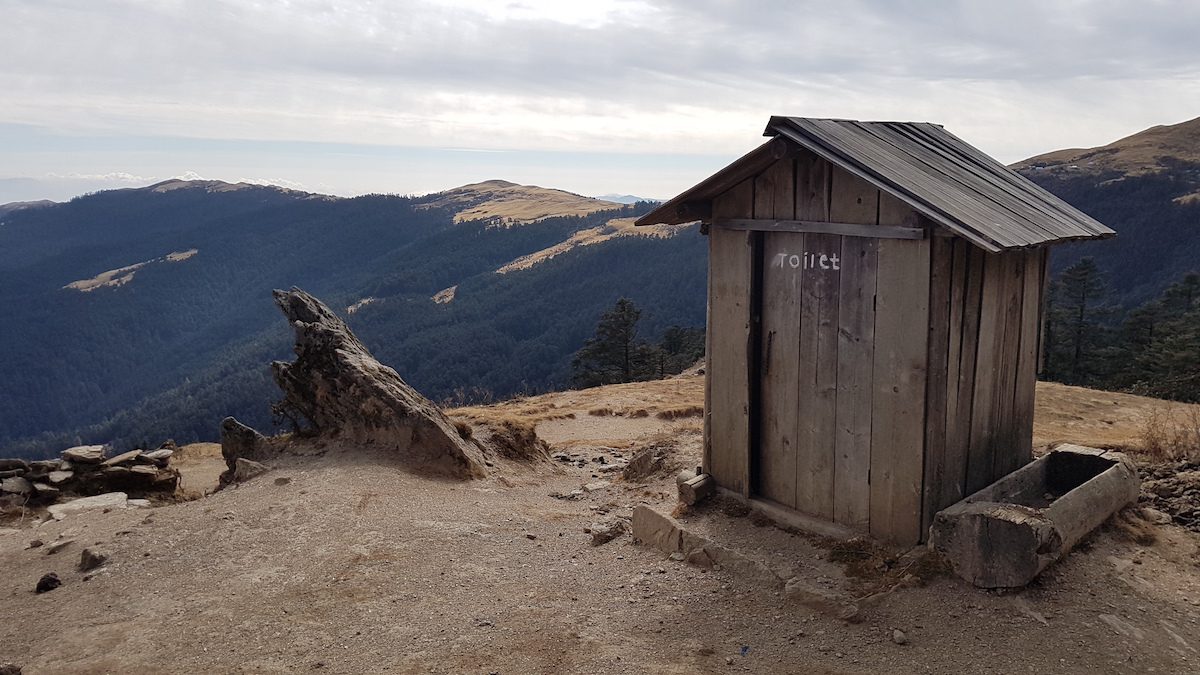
x,y
138,314
626,199
1157,149
1146,186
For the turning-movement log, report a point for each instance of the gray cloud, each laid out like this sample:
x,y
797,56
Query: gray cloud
x,y
1018,76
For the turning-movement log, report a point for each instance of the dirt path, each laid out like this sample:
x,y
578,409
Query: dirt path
x,y
352,565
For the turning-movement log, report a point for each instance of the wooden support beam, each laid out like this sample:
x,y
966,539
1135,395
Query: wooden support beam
x,y
816,227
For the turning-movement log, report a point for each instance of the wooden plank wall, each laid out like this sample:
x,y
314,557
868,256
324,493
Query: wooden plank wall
x,y
817,387
900,371
988,319
730,281
774,197
854,201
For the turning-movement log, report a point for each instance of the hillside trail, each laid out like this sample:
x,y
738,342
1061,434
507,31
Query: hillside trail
x,y
345,563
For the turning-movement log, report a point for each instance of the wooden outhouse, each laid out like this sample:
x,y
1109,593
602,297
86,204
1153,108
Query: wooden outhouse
x,y
874,319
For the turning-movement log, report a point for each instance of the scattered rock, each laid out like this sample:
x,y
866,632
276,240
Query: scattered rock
x,y
1155,516
700,558
34,543
644,463
58,546
109,500
42,467
123,458
283,480
573,495
47,492
899,637
84,454
48,582
159,457
596,486
602,533
242,470
91,558
530,536
16,485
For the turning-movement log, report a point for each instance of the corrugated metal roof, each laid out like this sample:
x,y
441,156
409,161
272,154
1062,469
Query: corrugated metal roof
x,y
950,182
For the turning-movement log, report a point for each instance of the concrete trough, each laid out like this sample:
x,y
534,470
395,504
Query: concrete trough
x,y
1007,533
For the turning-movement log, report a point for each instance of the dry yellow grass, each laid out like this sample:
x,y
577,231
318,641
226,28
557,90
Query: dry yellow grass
x,y
510,203
1063,413
617,227
123,275
1142,152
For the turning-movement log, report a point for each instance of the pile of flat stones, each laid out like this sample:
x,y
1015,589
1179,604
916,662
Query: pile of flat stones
x,y
86,470
1174,489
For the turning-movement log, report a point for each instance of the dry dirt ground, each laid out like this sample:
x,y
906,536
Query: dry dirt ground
x,y
344,563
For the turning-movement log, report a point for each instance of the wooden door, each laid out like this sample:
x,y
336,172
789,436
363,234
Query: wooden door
x,y
817,320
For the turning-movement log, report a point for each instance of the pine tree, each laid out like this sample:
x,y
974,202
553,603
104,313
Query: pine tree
x,y
1076,324
615,354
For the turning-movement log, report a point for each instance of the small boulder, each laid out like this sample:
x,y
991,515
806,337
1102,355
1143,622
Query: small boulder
x,y
899,637
84,454
109,500
9,473
242,470
91,558
602,533
16,485
58,546
48,582
59,477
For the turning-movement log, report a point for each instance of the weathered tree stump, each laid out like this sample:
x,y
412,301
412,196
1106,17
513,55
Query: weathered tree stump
x,y
342,391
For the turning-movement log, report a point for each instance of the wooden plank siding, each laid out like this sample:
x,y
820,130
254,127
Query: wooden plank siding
x,y
774,197
854,200
937,388
817,385
1027,359
730,272
900,369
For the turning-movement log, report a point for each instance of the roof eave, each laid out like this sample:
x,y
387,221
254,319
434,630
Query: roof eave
x,y
680,209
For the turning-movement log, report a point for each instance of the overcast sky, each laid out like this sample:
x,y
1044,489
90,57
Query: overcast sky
x,y
642,97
